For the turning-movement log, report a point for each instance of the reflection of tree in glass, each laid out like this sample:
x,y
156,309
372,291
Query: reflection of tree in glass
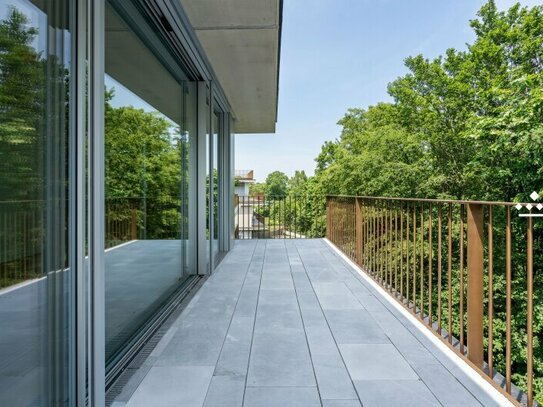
x,y
22,110
23,147
146,170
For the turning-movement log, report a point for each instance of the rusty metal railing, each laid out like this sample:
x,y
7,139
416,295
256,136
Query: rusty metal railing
x,y
465,268
279,217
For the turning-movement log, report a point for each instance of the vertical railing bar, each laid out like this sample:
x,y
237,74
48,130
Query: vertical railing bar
x,y
430,250
284,213
439,270
462,279
414,281
396,251
375,270
530,311
490,292
289,209
407,250
374,242
295,217
421,277
364,233
449,274
378,242
386,231
367,229
401,251
387,244
391,246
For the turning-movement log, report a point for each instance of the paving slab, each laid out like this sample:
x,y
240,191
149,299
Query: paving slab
x,y
290,323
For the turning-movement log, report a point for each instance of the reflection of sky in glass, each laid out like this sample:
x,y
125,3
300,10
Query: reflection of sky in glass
x,y
36,18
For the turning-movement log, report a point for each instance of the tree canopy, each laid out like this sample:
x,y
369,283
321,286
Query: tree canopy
x,y
276,184
468,124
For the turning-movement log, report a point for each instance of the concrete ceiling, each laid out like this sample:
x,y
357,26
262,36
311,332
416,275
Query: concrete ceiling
x,y
241,39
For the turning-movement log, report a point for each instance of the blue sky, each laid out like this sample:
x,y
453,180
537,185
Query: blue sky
x,y
338,54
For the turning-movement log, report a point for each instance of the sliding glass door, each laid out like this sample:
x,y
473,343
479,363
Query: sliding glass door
x,y
149,131
36,162
215,195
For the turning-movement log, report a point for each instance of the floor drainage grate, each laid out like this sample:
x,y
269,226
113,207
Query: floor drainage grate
x,y
131,376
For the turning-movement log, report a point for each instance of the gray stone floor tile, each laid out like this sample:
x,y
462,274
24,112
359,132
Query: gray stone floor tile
x,y
369,302
281,397
412,350
354,326
233,360
173,386
376,362
341,403
479,393
280,359
225,391
444,385
387,393
336,296
240,330
332,377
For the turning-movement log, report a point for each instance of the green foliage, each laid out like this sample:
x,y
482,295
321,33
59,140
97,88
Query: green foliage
x,y
22,117
297,183
468,124
141,159
258,188
276,184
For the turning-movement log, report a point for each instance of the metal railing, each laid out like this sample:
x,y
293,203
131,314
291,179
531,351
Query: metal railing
x,y
279,217
465,268
23,237
21,241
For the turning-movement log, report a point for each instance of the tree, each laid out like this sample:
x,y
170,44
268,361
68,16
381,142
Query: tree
x,y
145,169
276,184
297,183
22,117
258,188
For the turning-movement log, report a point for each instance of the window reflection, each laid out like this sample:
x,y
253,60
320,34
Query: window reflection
x,y
35,278
147,174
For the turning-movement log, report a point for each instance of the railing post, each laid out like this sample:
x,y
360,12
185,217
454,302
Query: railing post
x,y
358,231
475,284
328,215
134,224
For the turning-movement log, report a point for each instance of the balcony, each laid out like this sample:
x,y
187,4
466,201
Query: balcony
x,y
293,322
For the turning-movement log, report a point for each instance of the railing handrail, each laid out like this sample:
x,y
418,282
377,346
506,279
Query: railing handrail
x,y
431,200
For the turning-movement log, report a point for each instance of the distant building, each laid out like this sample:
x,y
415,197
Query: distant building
x,y
248,221
243,178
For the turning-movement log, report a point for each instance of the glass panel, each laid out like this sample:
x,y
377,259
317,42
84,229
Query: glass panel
x,y
209,202
147,183
215,161
36,295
